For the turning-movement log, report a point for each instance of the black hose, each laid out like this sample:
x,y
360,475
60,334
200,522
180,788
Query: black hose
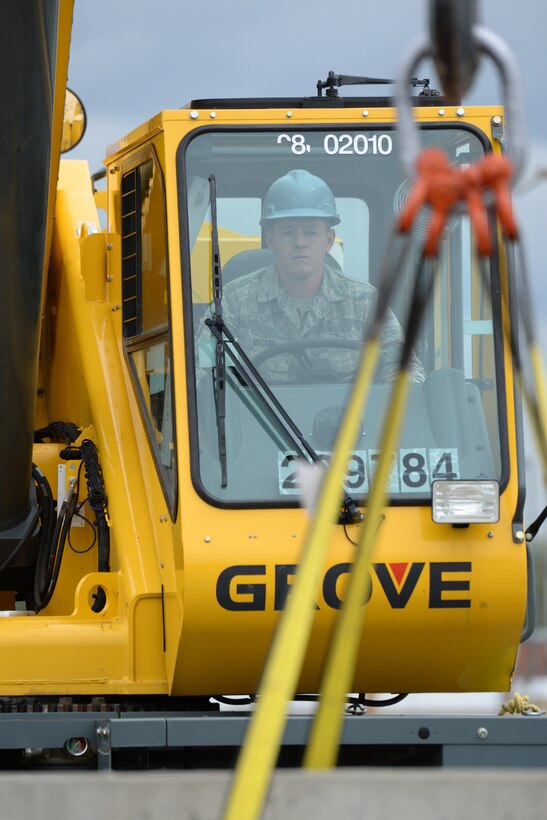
x,y
360,700
46,504
55,531
63,431
55,555
97,500
49,559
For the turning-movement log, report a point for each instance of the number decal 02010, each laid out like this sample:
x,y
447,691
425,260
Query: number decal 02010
x,y
412,470
358,144
335,144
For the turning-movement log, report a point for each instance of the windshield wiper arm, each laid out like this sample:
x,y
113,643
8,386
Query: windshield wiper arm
x,y
245,368
271,405
249,374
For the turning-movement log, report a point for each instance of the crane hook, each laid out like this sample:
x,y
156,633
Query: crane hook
x,y
454,49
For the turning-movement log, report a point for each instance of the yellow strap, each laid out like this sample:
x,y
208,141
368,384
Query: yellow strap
x,y
337,680
539,417
535,395
283,666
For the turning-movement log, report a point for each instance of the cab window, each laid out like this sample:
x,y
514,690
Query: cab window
x,y
307,350
145,311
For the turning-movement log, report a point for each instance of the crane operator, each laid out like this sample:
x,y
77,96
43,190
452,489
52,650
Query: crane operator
x,y
302,296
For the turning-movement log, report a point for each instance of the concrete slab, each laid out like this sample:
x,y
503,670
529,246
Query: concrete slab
x,y
351,794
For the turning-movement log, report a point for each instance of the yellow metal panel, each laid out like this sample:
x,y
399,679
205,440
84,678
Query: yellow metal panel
x,y
402,639
93,261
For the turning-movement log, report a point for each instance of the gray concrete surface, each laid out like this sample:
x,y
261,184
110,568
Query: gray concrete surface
x,y
342,794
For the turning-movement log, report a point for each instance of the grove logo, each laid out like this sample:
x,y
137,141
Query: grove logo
x,y
244,587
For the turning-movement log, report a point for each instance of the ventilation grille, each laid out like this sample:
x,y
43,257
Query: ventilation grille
x,y
131,280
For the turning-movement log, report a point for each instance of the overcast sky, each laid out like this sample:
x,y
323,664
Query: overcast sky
x,y
132,58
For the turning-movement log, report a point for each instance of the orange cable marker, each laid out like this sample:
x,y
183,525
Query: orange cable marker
x,y
442,186
497,171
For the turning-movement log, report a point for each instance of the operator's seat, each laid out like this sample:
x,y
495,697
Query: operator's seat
x,y
246,262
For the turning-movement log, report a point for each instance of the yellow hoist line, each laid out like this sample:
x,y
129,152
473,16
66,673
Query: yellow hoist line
x,y
259,753
538,374
337,680
535,394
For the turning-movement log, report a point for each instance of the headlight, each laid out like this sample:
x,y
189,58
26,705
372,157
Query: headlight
x,y
465,502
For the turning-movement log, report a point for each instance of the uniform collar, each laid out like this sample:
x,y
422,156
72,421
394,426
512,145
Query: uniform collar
x,y
332,288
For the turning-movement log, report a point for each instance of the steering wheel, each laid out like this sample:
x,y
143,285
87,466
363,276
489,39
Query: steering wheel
x,y
299,348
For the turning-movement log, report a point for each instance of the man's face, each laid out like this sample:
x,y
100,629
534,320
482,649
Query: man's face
x,y
300,246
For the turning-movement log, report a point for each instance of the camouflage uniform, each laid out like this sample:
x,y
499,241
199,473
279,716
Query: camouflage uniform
x,y
261,315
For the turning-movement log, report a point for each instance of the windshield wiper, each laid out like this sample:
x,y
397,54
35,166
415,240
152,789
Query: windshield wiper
x,y
220,349
248,373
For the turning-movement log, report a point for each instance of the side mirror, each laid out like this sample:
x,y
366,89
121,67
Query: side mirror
x,y
74,122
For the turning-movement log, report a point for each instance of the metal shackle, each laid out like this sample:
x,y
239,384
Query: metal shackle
x,y
488,44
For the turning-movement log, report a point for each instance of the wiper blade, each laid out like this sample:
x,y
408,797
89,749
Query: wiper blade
x,y
271,405
220,353
220,399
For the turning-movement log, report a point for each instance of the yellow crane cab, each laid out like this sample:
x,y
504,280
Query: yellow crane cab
x,y
448,597
198,437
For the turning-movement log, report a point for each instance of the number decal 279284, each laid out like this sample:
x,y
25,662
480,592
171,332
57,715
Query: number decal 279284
x,y
412,470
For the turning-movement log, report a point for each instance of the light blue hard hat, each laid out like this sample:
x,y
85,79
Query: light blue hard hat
x,y
299,194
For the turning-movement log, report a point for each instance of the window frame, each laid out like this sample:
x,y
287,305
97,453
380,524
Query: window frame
x,y
495,291
145,339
